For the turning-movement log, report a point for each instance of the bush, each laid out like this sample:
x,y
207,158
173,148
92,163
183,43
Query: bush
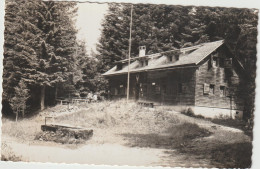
x,y
190,112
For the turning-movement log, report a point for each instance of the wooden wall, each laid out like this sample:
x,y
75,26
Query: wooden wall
x,y
158,86
218,76
169,83
164,86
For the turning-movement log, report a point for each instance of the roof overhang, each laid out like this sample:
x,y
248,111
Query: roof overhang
x,y
154,69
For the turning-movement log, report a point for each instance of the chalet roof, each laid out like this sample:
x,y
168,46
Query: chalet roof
x,y
159,60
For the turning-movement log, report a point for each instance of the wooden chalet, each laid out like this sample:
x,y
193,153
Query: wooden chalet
x,y
205,79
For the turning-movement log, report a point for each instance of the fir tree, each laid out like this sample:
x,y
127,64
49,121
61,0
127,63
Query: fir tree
x,y
39,46
18,102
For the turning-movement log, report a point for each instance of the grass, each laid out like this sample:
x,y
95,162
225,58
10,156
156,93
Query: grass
x,y
237,155
174,137
23,130
235,123
8,154
221,154
121,123
121,116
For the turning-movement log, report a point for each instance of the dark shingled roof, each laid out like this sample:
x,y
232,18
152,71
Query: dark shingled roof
x,y
160,61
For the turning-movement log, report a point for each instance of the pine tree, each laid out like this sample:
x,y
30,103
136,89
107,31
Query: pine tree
x,y
113,43
18,102
162,28
39,46
19,53
158,27
89,80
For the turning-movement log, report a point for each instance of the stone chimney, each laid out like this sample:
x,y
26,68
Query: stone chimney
x,y
142,50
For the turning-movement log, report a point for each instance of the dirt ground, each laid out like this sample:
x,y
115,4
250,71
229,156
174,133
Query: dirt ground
x,y
127,134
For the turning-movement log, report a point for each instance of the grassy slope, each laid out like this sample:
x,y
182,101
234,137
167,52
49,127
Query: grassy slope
x,y
131,125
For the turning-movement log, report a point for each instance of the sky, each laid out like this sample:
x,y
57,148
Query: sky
x,y
93,14
89,19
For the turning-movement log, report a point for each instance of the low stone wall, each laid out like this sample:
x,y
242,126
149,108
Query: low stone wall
x,y
218,112
64,134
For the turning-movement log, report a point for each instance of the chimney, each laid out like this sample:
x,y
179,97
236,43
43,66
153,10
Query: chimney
x,y
142,50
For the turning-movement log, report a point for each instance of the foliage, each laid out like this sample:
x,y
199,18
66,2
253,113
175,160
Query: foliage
x,y
39,47
166,27
18,102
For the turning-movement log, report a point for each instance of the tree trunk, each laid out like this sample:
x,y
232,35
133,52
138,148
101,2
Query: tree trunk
x,y
16,118
42,97
23,111
56,92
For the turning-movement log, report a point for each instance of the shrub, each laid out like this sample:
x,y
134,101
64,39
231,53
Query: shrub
x,y
190,112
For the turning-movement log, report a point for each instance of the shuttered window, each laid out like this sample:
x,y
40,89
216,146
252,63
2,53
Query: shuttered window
x,y
222,90
206,88
211,89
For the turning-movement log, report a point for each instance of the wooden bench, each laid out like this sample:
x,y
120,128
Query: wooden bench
x,y
62,101
80,100
146,104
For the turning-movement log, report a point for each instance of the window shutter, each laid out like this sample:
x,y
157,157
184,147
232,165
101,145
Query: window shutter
x,y
206,88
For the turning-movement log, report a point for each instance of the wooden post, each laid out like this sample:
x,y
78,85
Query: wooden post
x,y
42,97
231,106
129,54
17,111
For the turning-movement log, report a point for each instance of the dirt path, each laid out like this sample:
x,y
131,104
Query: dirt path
x,y
108,146
109,154
218,131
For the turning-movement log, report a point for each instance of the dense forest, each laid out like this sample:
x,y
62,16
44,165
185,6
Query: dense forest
x,y
43,59
166,27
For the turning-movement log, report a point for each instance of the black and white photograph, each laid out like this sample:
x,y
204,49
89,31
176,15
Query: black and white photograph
x,y
128,84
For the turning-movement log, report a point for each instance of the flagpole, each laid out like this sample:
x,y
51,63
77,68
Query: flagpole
x,y
129,55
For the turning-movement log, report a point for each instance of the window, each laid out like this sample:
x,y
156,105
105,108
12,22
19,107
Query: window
x,y
122,90
215,62
211,89
228,63
146,62
206,89
177,57
170,58
222,91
